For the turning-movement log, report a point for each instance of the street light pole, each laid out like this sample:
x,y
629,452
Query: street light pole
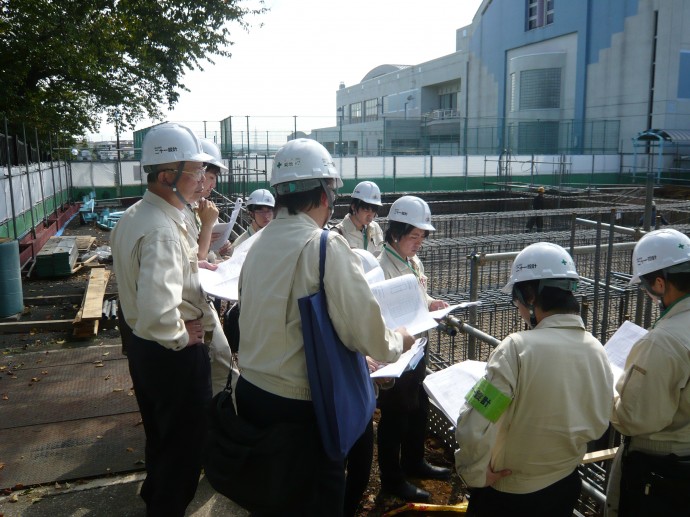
x,y
340,131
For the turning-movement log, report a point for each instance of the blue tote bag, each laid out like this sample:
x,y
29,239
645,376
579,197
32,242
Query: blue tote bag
x,y
341,389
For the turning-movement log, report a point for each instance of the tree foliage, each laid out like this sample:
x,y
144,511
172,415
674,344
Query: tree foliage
x,y
64,63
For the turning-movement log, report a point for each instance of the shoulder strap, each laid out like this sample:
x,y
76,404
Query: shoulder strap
x,y
322,257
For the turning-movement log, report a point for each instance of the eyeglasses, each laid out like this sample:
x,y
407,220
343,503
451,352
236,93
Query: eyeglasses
x,y
264,211
198,174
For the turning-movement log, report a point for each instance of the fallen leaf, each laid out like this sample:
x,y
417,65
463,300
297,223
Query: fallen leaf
x,y
130,449
118,389
45,372
100,365
14,498
106,353
106,378
60,341
35,379
99,436
5,396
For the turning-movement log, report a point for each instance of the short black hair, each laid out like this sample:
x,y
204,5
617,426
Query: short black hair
x,y
356,204
299,201
680,281
549,298
397,230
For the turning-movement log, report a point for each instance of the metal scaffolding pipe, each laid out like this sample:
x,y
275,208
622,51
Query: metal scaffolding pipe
x,y
471,331
483,259
618,229
593,493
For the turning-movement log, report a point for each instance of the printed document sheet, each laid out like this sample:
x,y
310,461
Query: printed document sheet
x,y
223,229
447,388
619,345
408,361
223,282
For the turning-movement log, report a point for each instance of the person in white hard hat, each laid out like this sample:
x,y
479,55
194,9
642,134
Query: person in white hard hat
x,y
260,204
358,226
170,320
650,474
206,208
201,215
281,267
545,394
404,407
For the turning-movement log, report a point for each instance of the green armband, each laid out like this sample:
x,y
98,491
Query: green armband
x,y
488,400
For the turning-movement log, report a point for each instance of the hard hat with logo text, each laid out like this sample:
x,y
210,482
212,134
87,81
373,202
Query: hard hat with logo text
x,y
170,142
300,165
411,210
660,249
543,261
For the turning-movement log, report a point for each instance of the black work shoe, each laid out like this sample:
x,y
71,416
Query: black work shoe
x,y
407,491
426,470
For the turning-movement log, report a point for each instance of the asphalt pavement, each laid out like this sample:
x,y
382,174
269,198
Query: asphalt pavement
x,y
115,496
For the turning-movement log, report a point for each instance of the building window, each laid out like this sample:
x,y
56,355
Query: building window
x,y
540,88
356,113
539,13
513,92
371,110
539,137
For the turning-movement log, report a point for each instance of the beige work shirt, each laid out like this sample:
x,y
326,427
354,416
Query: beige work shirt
x,y
654,403
370,238
281,267
394,267
560,382
157,273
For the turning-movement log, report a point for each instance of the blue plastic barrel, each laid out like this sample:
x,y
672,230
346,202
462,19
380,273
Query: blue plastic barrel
x,y
11,296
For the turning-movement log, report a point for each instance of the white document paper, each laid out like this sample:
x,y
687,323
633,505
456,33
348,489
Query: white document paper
x,y
225,228
402,304
441,313
223,282
407,361
447,388
619,345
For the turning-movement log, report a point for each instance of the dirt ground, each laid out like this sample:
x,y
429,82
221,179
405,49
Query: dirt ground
x,y
374,503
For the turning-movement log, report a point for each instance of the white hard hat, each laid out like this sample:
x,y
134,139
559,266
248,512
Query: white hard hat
x,y
367,191
211,148
657,250
542,261
411,210
170,142
301,160
261,197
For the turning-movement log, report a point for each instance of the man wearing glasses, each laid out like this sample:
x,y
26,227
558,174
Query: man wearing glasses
x,y
162,302
358,227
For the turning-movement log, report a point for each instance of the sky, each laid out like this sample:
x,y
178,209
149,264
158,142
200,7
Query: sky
x,y
294,63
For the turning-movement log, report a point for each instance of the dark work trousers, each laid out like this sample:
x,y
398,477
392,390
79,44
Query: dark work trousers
x,y
358,469
556,500
172,390
262,409
402,426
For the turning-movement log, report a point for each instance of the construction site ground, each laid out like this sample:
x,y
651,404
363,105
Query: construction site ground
x,y
71,440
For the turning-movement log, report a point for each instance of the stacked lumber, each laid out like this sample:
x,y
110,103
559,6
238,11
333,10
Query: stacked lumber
x,y
86,321
57,257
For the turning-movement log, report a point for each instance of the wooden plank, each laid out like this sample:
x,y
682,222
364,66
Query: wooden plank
x,y
606,454
95,290
41,325
53,299
84,242
86,328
